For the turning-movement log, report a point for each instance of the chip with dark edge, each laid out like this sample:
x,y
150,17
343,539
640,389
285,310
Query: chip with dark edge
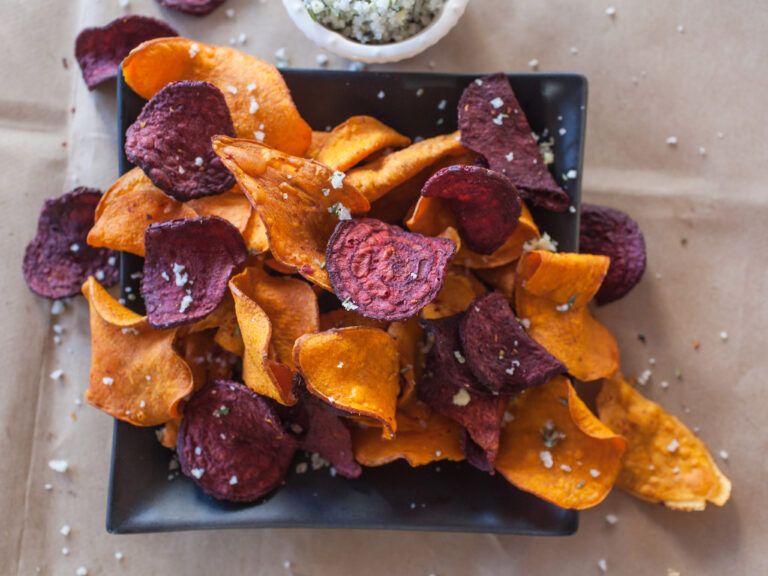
x,y
58,260
187,266
171,140
610,232
499,352
192,7
493,124
231,443
474,454
383,272
100,50
448,386
485,203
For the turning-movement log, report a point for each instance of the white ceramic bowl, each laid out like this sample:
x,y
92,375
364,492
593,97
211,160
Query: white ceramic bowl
x,y
346,48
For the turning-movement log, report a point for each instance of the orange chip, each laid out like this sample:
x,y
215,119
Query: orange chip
x,y
552,293
554,447
318,139
126,210
229,337
167,434
255,234
273,264
342,318
433,216
502,278
136,375
665,461
256,330
409,336
233,206
204,358
297,200
221,315
380,176
353,369
256,94
437,440
356,139
457,293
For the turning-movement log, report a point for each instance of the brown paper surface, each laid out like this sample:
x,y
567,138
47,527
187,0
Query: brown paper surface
x,y
648,81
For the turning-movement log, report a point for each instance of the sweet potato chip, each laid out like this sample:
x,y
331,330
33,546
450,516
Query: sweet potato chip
x,y
356,139
207,360
255,234
380,176
193,7
383,271
665,462
131,205
356,370
167,434
437,440
502,278
552,293
232,206
300,202
136,375
256,330
554,447
256,94
410,337
341,318
455,296
318,139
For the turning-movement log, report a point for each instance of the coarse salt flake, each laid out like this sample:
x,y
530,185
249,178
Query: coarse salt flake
x,y
58,465
337,180
611,519
197,472
674,445
259,135
546,458
57,374
461,398
107,381
65,530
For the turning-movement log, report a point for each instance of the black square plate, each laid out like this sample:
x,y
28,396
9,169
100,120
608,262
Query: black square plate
x,y
441,496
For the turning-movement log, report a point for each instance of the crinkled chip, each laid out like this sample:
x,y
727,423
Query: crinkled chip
x,y
499,352
665,462
384,272
186,269
100,50
455,296
255,234
256,94
555,448
437,440
493,124
259,373
300,202
231,443
355,370
486,204
342,318
131,205
552,293
193,7
356,139
612,233
166,435
136,374
58,260
378,177
171,140
316,143
474,454
233,206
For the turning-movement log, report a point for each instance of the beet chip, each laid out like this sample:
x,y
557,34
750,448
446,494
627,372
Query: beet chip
x,y
485,203
499,352
610,232
171,140
493,124
99,51
231,443
193,7
58,260
448,386
475,455
187,267
383,272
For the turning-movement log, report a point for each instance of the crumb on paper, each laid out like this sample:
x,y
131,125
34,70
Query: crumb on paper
x,y
611,519
60,466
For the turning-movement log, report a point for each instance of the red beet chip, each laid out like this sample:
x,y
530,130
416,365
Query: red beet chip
x,y
171,140
231,443
475,455
58,260
188,263
613,233
383,272
99,51
448,386
485,203
193,7
499,352
493,124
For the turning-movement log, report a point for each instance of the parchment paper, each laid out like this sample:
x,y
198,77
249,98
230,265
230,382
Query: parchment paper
x,y
648,81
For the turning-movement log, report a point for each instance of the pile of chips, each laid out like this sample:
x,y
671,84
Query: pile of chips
x,y
352,294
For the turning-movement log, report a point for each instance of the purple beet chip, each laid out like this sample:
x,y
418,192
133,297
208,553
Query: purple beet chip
x,y
485,203
231,443
187,266
493,124
171,140
499,352
99,51
58,260
474,454
610,232
193,7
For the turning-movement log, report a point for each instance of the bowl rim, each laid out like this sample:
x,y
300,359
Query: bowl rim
x,y
340,45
